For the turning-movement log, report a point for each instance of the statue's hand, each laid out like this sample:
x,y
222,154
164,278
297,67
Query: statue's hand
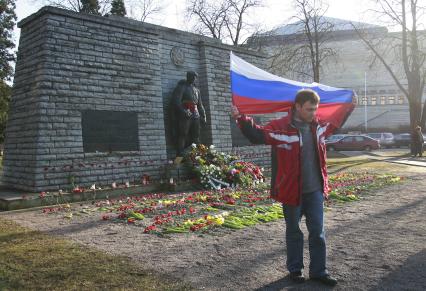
x,y
203,120
188,113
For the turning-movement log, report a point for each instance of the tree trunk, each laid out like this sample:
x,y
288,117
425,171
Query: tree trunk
x,y
423,119
316,74
415,111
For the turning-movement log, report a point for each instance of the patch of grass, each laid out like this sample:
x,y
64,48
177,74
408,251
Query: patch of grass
x,y
37,261
335,154
340,164
394,153
363,163
346,159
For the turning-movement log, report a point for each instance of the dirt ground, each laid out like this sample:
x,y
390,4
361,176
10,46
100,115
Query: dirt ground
x,y
377,243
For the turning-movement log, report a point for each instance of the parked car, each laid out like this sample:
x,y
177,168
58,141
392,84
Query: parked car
x,y
334,137
424,141
386,139
354,143
402,140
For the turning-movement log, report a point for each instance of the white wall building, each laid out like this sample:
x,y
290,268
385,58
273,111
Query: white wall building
x,y
352,67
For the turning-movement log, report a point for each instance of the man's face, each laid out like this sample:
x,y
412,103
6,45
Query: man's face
x,y
307,111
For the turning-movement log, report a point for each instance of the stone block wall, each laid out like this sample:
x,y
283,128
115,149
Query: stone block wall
x,y
83,63
70,63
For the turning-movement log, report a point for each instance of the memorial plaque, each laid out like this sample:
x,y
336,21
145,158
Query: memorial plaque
x,y
109,131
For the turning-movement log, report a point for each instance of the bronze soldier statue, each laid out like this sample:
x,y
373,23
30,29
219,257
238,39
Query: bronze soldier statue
x,y
187,112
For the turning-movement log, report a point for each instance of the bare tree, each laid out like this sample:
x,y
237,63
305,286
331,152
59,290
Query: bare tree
x,y
235,18
314,48
317,31
77,5
223,19
144,9
138,9
408,48
210,17
299,49
293,61
74,5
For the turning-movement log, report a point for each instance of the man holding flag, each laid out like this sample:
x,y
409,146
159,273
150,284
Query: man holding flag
x,y
299,173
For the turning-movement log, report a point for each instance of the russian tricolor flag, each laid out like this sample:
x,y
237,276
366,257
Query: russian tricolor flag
x,y
255,91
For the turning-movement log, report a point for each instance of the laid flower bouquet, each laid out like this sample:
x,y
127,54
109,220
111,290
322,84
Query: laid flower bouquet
x,y
217,170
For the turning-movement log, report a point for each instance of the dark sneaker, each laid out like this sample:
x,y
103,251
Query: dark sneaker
x,y
297,277
327,280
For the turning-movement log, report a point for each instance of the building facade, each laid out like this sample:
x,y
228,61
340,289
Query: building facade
x,y
380,103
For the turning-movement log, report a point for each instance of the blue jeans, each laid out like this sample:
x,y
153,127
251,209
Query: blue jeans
x,y
312,206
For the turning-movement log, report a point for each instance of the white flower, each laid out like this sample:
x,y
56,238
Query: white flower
x,y
193,145
211,147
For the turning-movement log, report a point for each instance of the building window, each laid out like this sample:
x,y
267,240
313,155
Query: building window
x,y
382,100
374,100
401,99
364,100
391,100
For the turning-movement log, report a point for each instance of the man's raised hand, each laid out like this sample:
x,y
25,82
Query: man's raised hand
x,y
235,113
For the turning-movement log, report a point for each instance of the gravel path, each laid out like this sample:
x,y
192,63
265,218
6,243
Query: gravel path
x,y
377,243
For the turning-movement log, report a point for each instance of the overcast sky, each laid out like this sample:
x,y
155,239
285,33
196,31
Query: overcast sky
x,y
274,12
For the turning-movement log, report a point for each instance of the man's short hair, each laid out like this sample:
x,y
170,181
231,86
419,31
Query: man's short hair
x,y
305,95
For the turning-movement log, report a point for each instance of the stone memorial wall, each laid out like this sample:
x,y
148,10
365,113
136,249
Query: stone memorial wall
x,y
91,98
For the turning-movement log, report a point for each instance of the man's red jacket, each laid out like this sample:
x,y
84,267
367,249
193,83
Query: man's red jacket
x,y
286,142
